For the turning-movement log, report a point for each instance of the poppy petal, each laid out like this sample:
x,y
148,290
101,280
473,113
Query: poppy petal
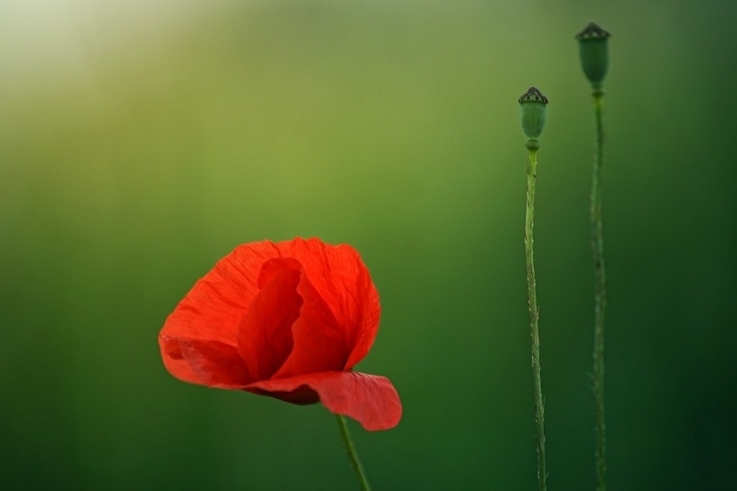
x,y
369,399
320,343
207,362
174,360
265,332
341,279
214,307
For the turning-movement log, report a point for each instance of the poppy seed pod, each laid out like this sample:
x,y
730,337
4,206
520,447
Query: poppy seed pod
x,y
532,110
593,44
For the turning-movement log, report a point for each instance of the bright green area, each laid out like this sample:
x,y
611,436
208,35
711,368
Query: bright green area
x,y
136,149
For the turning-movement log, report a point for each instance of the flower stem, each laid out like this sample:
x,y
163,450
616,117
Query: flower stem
x,y
597,242
351,451
532,146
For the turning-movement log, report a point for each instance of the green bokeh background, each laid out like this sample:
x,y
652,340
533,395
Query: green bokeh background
x,y
142,141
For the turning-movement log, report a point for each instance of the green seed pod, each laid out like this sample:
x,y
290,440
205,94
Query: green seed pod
x,y
532,110
593,43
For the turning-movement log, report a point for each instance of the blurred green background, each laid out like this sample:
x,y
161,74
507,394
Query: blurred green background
x,y
142,141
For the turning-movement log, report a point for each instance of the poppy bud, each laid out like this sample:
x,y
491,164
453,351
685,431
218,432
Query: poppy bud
x,y
593,44
532,109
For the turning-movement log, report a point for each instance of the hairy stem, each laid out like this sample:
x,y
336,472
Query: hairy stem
x,y
534,314
351,451
597,242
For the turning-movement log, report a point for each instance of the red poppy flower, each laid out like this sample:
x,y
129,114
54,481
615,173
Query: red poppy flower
x,y
288,320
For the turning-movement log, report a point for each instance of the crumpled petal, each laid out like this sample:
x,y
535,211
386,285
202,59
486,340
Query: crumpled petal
x,y
320,343
369,399
214,307
209,363
265,333
340,278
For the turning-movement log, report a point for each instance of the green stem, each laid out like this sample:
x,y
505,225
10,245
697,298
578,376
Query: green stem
x,y
351,451
597,242
532,146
